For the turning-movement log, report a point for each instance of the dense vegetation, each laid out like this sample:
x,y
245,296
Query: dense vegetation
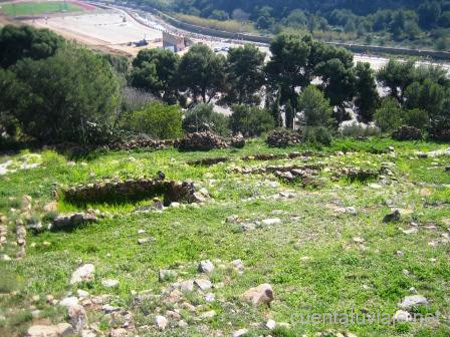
x,y
413,23
54,91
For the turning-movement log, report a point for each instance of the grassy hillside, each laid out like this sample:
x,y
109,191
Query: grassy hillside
x,y
327,250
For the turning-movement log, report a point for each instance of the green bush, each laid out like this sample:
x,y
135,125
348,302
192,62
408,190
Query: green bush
x,y
389,116
251,121
315,107
417,118
318,135
203,118
156,120
59,98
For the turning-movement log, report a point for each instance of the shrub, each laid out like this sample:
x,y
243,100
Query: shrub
x,y
251,121
317,135
315,107
389,116
157,120
417,118
356,130
203,118
56,99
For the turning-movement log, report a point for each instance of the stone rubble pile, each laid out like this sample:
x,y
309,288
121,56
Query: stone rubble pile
x,y
201,141
354,174
143,144
134,189
208,161
306,174
407,133
70,221
283,138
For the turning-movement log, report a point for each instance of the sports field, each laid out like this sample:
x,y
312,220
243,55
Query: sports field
x,y
39,8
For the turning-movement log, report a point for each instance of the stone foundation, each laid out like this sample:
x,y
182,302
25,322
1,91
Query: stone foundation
x,y
132,189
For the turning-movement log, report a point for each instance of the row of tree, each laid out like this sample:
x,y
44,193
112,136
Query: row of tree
x,y
244,76
55,91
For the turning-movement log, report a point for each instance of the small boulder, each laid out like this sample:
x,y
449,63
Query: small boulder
x,y
271,324
110,283
208,314
392,217
410,301
402,316
203,284
206,266
43,331
83,274
161,322
270,222
78,317
69,301
240,332
262,294
187,286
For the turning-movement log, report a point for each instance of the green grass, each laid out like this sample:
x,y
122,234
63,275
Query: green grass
x,y
39,8
339,275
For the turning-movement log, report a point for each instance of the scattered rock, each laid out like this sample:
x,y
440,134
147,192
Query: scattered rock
x,y
83,274
271,324
358,240
402,316
110,283
208,314
69,301
187,286
60,330
88,333
210,297
173,315
410,301
145,240
248,226
206,266
409,231
82,294
270,222
119,332
392,217
203,284
161,322
240,332
182,324
109,308
78,317
232,218
262,294
51,207
238,264
73,220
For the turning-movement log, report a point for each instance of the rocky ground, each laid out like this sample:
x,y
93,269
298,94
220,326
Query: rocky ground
x,y
361,226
